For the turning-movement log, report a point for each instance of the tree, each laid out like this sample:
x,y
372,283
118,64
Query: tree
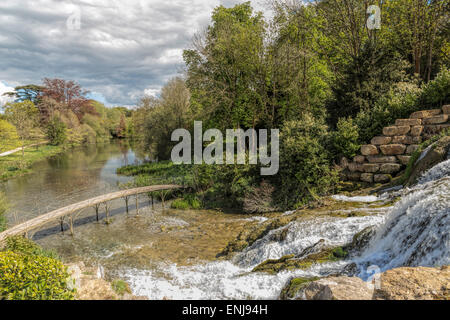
x,y
56,132
23,115
30,92
8,136
121,129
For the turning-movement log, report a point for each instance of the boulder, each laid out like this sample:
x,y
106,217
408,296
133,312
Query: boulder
x,y
382,178
337,288
359,159
425,114
402,140
369,150
408,122
381,159
446,109
390,168
370,167
442,118
393,149
416,131
418,283
411,149
381,140
434,154
367,177
404,159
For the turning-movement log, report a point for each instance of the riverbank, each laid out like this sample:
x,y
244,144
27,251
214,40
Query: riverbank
x,y
14,165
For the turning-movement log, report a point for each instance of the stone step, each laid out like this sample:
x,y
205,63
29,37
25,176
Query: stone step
x,y
396,130
408,122
393,149
390,168
369,150
425,114
442,118
404,159
381,140
381,159
416,131
446,109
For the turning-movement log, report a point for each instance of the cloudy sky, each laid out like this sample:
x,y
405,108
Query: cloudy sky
x,y
117,49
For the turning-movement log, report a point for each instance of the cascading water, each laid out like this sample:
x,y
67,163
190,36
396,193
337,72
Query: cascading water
x,y
417,230
414,232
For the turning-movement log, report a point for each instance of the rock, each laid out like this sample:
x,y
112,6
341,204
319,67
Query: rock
x,y
425,114
404,159
359,159
416,131
390,131
354,176
337,288
446,109
371,167
443,118
381,140
393,149
408,122
343,163
382,178
418,283
411,149
369,150
367,177
390,168
353,166
436,153
402,140
382,159
361,240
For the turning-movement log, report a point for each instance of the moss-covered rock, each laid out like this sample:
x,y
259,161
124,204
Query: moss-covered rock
x,y
294,286
291,262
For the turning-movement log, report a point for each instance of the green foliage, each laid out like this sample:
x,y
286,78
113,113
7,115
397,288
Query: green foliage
x,y
305,171
25,246
24,116
3,208
8,136
189,201
32,277
120,287
56,132
437,92
345,138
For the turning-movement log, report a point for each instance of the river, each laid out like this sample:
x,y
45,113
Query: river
x,y
164,253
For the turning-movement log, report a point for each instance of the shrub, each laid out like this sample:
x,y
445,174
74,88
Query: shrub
x,y
56,132
345,138
305,171
259,199
32,277
25,246
3,208
437,92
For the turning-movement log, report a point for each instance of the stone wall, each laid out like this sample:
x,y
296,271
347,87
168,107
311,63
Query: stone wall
x,y
388,154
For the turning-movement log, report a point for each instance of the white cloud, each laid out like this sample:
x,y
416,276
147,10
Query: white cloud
x,y
5,99
122,49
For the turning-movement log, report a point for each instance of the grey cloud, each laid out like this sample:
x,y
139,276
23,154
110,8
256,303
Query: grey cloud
x,y
122,48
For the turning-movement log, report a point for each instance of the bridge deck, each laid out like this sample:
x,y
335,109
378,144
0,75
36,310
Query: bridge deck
x,y
73,208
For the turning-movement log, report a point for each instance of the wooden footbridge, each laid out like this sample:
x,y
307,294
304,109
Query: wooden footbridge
x,y
74,209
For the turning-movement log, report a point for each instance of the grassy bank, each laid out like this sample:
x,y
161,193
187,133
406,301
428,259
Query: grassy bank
x,y
15,165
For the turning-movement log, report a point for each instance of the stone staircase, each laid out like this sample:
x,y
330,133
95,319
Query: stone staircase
x,y
388,154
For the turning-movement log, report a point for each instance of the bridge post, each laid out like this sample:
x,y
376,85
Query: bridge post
x,y
61,221
153,203
126,204
107,210
97,207
71,225
137,205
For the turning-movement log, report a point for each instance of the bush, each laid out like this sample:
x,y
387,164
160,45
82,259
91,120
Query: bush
x,y
305,172
345,138
25,246
3,208
56,132
437,92
32,277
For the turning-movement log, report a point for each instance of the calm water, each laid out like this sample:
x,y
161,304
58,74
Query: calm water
x,y
142,241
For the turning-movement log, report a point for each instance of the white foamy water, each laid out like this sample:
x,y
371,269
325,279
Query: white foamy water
x,y
414,232
366,199
417,231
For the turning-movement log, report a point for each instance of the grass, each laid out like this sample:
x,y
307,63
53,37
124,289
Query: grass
x,y
15,165
120,287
